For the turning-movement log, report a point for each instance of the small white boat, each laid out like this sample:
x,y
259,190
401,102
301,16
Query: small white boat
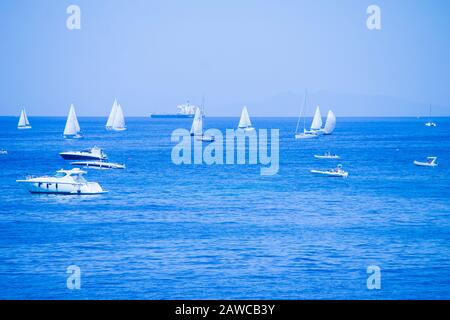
x,y
197,127
430,123
205,138
63,182
306,135
431,162
327,155
98,164
116,119
337,172
23,121
244,122
3,152
72,129
87,154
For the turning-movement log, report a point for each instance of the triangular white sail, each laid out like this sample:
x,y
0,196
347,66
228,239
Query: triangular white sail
x,y
112,115
23,121
197,125
119,119
317,120
72,126
245,122
330,124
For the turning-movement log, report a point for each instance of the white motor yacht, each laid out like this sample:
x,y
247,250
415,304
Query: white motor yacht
x,y
63,182
431,162
87,154
336,172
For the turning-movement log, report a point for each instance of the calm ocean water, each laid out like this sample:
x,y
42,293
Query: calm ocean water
x,y
211,232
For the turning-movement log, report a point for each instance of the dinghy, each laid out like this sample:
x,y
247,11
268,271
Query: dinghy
x,y
431,162
327,155
63,182
244,122
197,127
72,128
23,121
305,134
98,165
336,172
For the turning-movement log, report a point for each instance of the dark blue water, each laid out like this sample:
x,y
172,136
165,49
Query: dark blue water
x,y
167,232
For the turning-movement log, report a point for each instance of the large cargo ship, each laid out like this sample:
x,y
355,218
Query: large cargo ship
x,y
184,111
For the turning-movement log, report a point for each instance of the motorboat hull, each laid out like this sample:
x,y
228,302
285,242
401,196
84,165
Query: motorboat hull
x,y
62,188
326,157
425,164
331,174
73,156
98,165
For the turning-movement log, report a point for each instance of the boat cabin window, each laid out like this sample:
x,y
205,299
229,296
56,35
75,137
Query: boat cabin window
x,y
60,175
79,178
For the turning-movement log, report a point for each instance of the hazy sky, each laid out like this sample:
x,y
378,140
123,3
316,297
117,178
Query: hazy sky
x,y
153,55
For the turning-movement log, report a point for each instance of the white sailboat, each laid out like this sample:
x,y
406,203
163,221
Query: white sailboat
x,y
197,127
430,123
112,115
72,128
244,122
307,134
23,121
330,123
316,124
119,120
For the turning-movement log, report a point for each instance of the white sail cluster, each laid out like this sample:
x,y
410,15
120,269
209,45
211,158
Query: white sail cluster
x,y
72,129
116,119
23,121
316,124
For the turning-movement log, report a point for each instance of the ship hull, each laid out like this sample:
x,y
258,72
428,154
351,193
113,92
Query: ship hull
x,y
171,116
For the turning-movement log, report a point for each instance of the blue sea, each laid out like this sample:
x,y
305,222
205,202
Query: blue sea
x,y
224,231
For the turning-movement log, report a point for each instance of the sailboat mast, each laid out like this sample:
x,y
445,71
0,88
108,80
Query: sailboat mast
x,y
301,113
